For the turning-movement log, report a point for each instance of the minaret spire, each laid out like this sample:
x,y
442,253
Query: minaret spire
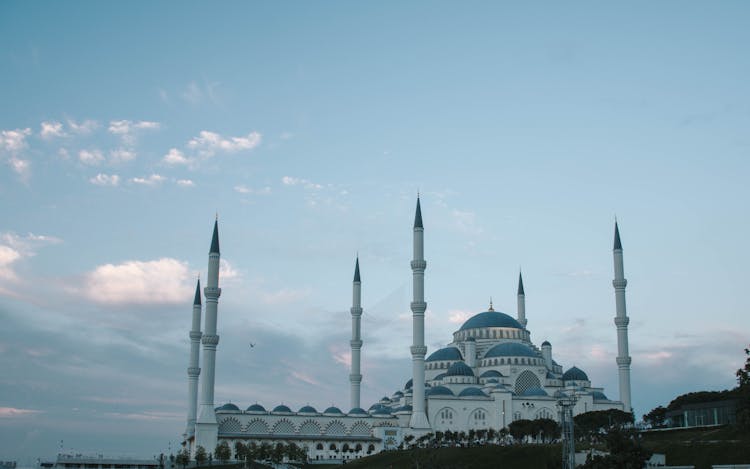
x,y
621,321
206,427
521,302
355,377
193,370
418,306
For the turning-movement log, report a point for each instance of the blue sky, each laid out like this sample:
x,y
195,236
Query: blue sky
x,y
309,128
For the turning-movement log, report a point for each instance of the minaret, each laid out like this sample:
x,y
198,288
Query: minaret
x,y
355,378
418,306
621,321
521,302
193,371
206,427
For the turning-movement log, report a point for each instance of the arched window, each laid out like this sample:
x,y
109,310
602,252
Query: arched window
x,y
332,447
319,446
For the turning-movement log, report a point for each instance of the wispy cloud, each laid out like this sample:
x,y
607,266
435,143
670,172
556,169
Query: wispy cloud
x,y
195,93
13,412
121,155
85,127
185,183
209,143
127,130
105,180
132,282
51,129
91,157
294,181
242,189
175,157
14,248
12,143
152,180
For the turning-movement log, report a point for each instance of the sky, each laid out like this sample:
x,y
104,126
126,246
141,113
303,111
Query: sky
x,y
309,128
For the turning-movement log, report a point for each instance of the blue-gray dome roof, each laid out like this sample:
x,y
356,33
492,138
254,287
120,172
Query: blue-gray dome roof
x,y
398,394
535,391
255,408
408,384
439,391
332,410
599,396
376,406
491,374
472,392
382,411
404,408
492,380
308,410
228,406
440,376
511,349
490,319
459,369
358,411
575,374
546,343
447,353
282,408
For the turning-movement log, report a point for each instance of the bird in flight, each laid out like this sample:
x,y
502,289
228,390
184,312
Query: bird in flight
x,y
252,345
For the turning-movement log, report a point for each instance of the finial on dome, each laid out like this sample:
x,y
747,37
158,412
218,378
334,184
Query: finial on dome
x,y
491,308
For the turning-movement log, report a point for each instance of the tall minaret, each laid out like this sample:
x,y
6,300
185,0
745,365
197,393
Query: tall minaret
x,y
193,371
418,307
206,427
621,321
355,378
521,302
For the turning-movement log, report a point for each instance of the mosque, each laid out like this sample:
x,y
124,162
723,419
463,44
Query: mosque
x,y
489,375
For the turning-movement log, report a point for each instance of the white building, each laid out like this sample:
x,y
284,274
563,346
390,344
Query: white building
x,y
488,376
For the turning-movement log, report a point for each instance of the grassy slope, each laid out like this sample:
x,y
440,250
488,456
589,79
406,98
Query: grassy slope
x,y
509,457
701,447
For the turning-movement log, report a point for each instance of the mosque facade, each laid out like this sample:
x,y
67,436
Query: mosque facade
x,y
488,376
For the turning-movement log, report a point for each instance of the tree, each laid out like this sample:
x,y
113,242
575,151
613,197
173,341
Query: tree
x,y
200,455
240,451
223,452
743,392
657,417
183,458
408,439
625,451
594,422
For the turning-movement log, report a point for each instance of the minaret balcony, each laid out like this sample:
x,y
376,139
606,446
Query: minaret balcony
x,y
622,321
418,264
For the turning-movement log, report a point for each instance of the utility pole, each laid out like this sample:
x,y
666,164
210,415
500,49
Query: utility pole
x,y
566,404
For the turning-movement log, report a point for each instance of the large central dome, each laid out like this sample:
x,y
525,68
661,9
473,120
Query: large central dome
x,y
490,319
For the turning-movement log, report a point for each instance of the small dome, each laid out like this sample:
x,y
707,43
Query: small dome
x,y
535,391
511,349
599,396
385,399
333,410
459,369
398,394
472,392
255,408
228,407
282,408
491,374
546,344
490,319
408,384
308,410
447,353
575,374
440,391
492,380
405,408
440,376
358,411
382,411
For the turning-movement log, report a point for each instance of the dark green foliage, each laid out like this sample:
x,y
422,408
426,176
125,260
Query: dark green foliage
x,y
598,421
743,394
200,455
657,417
625,451
183,458
547,429
223,452
701,397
